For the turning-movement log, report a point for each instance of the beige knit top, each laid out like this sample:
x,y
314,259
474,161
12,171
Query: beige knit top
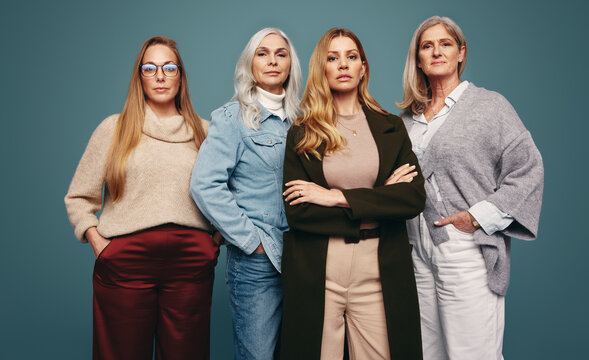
x,y
355,166
157,181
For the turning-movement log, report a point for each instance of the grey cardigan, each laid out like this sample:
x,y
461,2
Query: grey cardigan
x,y
484,152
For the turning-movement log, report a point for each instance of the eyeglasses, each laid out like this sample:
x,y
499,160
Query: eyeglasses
x,y
169,70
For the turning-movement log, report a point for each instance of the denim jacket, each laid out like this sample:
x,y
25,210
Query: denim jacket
x,y
237,180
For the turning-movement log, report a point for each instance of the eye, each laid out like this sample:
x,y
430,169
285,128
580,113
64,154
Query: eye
x,y
262,54
282,55
352,57
331,58
170,67
148,67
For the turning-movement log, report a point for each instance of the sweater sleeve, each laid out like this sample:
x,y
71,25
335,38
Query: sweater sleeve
x,y
84,196
520,179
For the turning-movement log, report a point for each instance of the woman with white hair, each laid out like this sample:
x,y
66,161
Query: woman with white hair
x,y
484,180
237,184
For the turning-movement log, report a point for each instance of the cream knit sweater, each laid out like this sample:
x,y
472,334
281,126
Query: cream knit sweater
x,y
156,185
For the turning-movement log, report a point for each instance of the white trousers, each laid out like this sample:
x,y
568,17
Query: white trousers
x,y
461,318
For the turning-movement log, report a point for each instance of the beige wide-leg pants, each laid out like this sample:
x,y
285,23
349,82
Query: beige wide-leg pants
x,y
353,300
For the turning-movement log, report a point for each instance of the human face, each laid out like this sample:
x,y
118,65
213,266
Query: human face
x,y
271,64
344,68
160,90
439,53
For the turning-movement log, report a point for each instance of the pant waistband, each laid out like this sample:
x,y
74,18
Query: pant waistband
x,y
364,234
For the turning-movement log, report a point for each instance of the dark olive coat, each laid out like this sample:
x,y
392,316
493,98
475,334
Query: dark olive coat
x,y
305,244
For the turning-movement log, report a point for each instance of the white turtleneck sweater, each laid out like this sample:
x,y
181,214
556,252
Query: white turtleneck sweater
x,y
272,102
157,181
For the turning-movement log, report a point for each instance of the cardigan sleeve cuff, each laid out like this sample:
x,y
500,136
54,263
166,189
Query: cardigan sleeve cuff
x,y
490,217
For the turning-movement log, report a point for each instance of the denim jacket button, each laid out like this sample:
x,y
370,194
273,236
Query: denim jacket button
x,y
269,141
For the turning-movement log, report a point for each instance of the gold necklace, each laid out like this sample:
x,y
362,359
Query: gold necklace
x,y
347,128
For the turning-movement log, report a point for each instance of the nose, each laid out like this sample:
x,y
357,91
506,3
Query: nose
x,y
343,63
437,49
272,59
159,73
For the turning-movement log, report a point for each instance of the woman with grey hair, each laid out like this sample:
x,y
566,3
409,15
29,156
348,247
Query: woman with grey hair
x,y
484,180
237,184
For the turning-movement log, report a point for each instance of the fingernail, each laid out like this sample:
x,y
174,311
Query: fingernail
x,y
436,222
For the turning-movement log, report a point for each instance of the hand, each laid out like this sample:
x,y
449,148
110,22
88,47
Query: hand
x,y
402,174
461,221
96,240
260,249
300,191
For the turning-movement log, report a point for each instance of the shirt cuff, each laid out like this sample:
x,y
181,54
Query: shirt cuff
x,y
490,217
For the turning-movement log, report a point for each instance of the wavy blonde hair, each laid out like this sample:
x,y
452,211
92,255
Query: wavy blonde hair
x,y
319,116
127,132
416,87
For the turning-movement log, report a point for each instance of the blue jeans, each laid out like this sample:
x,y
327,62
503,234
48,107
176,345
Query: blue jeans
x,y
255,295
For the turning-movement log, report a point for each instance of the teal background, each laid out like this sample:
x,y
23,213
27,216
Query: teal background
x,y
65,66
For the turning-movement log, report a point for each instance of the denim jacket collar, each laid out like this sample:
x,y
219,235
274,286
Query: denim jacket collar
x,y
266,113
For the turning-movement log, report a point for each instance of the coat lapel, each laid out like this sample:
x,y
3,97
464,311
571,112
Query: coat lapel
x,y
388,142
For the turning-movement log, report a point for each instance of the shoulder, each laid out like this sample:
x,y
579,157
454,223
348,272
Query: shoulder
x,y
485,98
296,133
386,120
492,106
229,110
106,127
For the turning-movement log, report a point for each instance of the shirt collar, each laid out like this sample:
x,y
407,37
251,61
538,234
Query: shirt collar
x,y
450,100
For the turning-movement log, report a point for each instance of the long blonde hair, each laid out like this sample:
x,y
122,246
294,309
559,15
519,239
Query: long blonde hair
x,y
319,114
127,132
416,88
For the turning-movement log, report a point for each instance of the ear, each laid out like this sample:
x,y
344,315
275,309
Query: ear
x,y
363,69
461,53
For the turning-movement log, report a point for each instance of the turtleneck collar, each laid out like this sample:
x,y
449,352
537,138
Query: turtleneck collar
x,y
170,129
272,102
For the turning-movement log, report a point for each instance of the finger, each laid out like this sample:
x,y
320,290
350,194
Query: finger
x,y
292,196
444,221
296,182
404,170
298,200
400,168
292,189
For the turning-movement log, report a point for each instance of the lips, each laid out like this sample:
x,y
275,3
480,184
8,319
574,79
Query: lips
x,y
161,89
344,77
272,73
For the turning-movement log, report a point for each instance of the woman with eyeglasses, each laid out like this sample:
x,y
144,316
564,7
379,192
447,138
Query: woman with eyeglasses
x,y
237,183
155,258
349,188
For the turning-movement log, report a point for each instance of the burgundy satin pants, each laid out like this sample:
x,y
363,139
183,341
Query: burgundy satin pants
x,y
154,285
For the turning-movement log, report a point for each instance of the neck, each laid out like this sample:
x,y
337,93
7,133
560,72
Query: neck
x,y
163,110
347,103
442,87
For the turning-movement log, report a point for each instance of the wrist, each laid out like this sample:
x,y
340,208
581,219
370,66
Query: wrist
x,y
473,221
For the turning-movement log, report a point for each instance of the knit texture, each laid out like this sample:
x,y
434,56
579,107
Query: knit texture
x,y
484,152
157,181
